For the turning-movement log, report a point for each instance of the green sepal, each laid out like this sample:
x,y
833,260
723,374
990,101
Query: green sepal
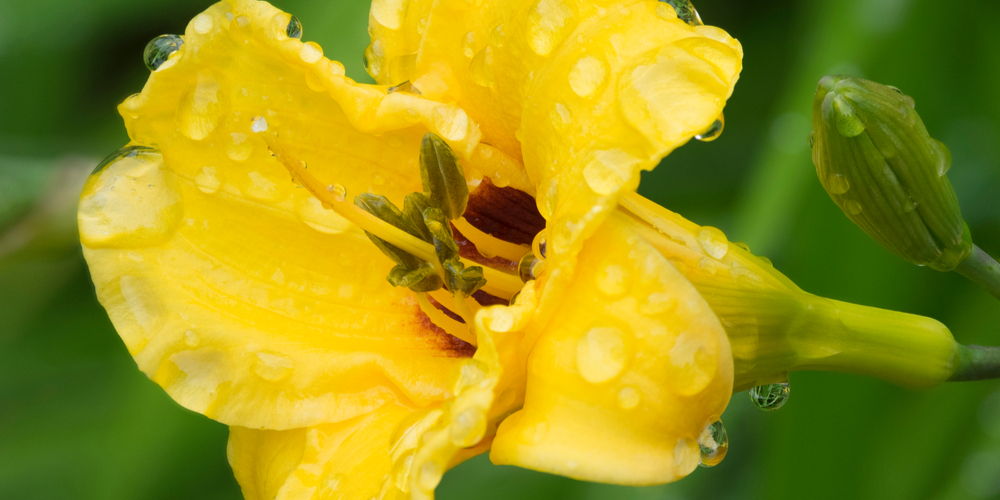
x,y
421,279
442,177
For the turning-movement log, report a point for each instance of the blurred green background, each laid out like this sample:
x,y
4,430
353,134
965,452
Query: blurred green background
x,y
78,420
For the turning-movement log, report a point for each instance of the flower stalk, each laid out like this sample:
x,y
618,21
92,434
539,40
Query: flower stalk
x,y
982,270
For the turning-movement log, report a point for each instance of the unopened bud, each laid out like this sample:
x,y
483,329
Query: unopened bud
x,y
876,160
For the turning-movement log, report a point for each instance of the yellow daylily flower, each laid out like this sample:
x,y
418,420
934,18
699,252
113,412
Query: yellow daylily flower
x,y
261,303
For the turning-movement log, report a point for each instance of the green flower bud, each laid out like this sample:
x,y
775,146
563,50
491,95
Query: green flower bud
x,y
876,160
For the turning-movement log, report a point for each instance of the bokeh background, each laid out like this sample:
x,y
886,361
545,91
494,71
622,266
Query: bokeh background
x,y
78,420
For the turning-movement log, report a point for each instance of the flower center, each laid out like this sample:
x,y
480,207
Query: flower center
x,y
481,257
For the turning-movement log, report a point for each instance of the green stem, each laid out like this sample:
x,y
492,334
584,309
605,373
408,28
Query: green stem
x,y
977,363
982,270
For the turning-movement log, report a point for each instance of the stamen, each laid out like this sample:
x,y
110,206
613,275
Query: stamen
x,y
497,283
487,245
452,327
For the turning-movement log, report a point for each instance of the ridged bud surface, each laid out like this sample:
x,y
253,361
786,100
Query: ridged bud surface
x,y
876,160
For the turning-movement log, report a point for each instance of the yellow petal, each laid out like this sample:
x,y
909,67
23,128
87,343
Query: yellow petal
x,y
346,460
238,293
629,369
393,452
585,93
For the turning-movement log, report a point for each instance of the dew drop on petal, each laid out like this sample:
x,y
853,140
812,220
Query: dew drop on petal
x,y
587,76
811,139
429,476
482,68
713,242
201,107
714,131
685,11
294,28
239,147
469,44
272,367
191,338
159,49
202,24
549,22
837,184
628,397
530,267
258,124
207,180
539,245
129,201
601,354
714,443
330,485
467,428
310,52
770,397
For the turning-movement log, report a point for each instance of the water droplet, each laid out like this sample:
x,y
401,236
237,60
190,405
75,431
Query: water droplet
x,y
685,11
770,397
207,181
272,367
202,24
847,121
513,298
310,52
239,148
191,338
469,44
742,245
613,280
294,28
713,131
200,108
404,87
837,184
372,59
330,485
338,190
258,124
472,373
429,476
126,152
129,201
548,25
811,140
714,444
467,428
497,36
587,76
943,157
482,68
539,244
609,171
159,49
896,90
852,207
714,242
530,267
601,354
628,397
